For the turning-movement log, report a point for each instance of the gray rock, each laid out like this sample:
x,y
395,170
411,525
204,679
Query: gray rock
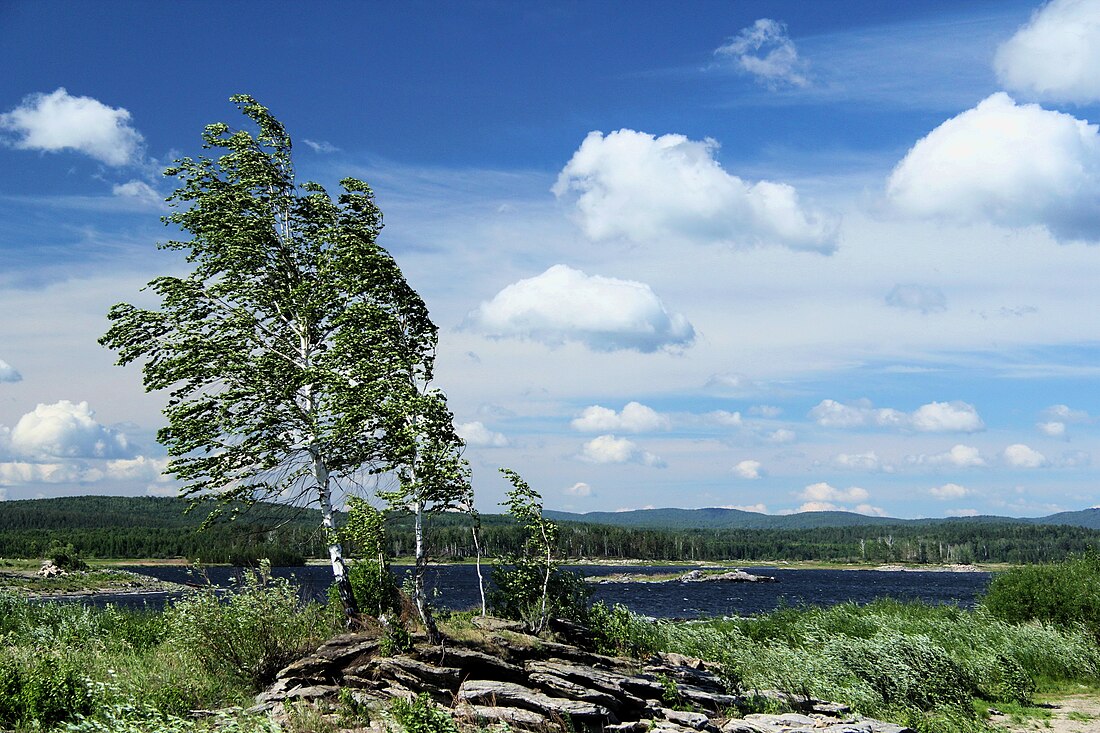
x,y
473,662
564,688
737,725
482,714
508,694
696,721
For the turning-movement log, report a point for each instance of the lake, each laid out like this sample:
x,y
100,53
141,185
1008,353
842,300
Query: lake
x,y
457,588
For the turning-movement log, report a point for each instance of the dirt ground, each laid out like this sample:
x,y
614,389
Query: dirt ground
x,y
1070,714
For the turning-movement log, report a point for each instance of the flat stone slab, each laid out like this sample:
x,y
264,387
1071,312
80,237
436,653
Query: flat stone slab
x,y
509,694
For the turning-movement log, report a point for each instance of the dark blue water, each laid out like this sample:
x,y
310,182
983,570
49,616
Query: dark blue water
x,y
456,588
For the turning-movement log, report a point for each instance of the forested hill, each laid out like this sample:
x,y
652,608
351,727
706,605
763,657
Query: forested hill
x,y
717,518
137,527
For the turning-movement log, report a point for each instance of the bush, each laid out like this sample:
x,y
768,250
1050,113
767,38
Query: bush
x,y
619,630
251,633
66,557
518,593
1066,593
421,715
374,587
41,691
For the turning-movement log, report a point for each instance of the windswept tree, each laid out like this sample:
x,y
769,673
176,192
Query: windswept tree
x,y
295,354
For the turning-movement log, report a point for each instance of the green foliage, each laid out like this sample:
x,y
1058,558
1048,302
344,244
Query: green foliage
x,y
530,584
909,662
421,715
1066,593
66,557
396,640
41,690
374,586
128,717
620,631
251,632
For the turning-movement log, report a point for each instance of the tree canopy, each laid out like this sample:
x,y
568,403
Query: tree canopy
x,y
296,356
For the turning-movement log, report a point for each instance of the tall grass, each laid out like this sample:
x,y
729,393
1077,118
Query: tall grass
x,y
922,665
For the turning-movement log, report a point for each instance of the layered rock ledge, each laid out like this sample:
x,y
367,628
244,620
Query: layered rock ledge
x,y
496,674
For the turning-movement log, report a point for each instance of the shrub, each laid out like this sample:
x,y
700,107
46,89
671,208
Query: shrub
x,y
41,691
251,633
619,630
374,587
518,593
66,557
1066,593
421,715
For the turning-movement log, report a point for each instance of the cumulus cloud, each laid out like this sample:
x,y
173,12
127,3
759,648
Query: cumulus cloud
x,y
1012,165
140,193
1055,55
766,411
725,418
782,435
1019,455
67,430
731,384
934,417
578,489
960,456
603,313
1065,413
476,434
634,418
8,373
651,189
949,491
765,51
923,298
747,469
821,492
609,449
828,506
757,508
868,461
1052,429
59,121
961,513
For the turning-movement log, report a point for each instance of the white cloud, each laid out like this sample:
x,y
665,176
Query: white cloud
x,y
782,435
947,417
757,508
862,462
1055,56
67,430
603,313
960,456
949,491
578,489
731,384
1012,165
8,373
961,513
828,506
634,418
1074,459
476,434
139,468
823,492
651,189
321,146
609,449
22,472
725,418
766,411
1065,413
139,192
923,298
1019,455
934,417
766,51
747,469
58,121
1053,429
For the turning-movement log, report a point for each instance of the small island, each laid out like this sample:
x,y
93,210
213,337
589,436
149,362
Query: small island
x,y
690,576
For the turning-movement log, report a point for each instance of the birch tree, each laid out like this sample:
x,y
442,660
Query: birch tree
x,y
292,346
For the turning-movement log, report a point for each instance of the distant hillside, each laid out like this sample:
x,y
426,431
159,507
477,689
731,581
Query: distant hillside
x,y
716,518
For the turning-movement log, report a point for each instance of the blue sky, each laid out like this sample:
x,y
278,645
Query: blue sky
x,y
771,255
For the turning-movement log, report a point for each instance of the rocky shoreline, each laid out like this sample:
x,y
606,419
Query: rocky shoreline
x,y
691,576
497,674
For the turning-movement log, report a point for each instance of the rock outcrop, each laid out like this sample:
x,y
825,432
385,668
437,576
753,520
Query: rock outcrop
x,y
495,673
